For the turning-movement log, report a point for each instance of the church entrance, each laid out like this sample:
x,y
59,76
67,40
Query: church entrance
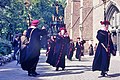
x,y
113,15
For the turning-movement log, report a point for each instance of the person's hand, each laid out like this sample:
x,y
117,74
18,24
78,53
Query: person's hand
x,y
106,49
114,53
43,27
46,54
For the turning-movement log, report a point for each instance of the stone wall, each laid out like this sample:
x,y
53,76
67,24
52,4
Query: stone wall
x,y
92,14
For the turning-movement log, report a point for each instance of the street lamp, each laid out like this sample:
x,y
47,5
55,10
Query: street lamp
x,y
56,6
81,19
57,20
104,2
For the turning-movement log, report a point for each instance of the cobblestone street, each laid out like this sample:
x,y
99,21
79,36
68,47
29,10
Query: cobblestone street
x,y
75,70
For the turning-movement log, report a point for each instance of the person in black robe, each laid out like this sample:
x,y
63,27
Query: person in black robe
x,y
60,52
91,52
71,49
23,40
50,50
104,49
16,45
95,47
78,49
82,41
67,41
44,40
31,56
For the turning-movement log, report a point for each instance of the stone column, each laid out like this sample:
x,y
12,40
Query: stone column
x,y
81,20
71,35
118,42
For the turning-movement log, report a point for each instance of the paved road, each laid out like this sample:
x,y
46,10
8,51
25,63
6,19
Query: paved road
x,y
75,70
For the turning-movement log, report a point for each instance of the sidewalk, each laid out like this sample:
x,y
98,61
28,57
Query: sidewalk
x,y
116,58
75,70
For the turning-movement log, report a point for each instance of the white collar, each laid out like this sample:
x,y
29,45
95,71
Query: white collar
x,y
32,27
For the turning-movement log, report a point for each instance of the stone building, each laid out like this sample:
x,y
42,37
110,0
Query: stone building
x,y
82,19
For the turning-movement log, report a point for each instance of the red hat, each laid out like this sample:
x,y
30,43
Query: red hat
x,y
105,22
62,28
35,23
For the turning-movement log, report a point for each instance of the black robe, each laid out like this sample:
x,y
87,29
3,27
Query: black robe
x,y
31,53
60,51
78,51
82,47
71,49
50,51
67,41
102,58
91,52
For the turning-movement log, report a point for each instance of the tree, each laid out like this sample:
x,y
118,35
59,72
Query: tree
x,y
13,14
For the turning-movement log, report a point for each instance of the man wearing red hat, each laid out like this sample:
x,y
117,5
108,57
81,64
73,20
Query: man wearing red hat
x,y
105,22
104,49
31,56
60,50
35,23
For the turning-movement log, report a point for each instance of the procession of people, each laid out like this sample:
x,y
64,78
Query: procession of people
x,y
60,47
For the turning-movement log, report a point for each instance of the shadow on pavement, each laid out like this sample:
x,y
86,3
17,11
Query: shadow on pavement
x,y
114,75
110,75
82,67
58,73
75,70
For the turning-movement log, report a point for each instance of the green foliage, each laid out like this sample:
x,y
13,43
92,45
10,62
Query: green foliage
x,y
12,17
5,47
13,14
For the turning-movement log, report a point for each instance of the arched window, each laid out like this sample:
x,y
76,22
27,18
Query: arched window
x,y
110,11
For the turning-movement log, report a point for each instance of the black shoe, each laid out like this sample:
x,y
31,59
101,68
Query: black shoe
x,y
29,74
63,69
103,74
36,73
57,69
32,75
79,59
